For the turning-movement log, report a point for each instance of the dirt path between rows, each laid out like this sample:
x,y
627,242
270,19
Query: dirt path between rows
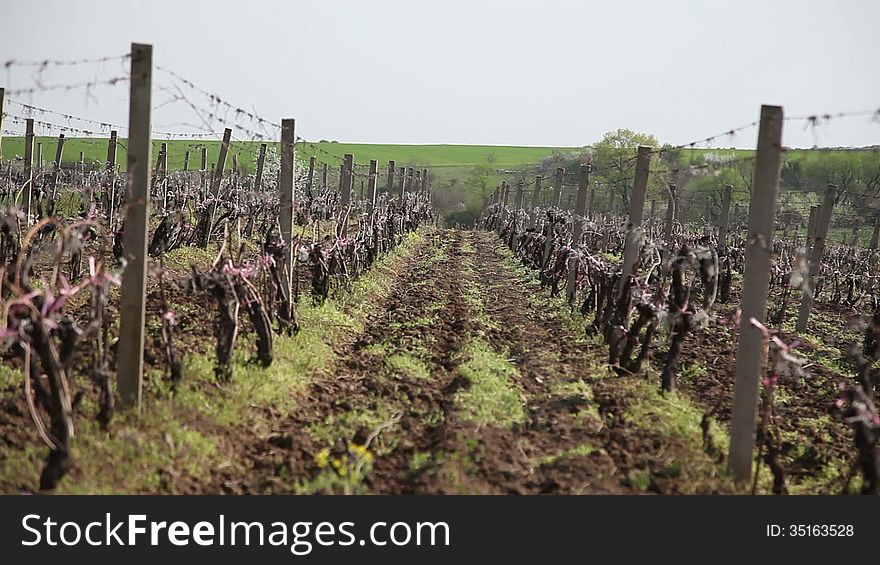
x,y
465,381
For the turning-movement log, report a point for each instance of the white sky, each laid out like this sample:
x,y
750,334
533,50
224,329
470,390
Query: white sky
x,y
514,72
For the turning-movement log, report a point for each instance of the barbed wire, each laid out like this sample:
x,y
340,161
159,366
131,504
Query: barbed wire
x,y
89,85
63,63
216,99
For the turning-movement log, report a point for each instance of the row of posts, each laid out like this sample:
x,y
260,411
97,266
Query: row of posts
x,y
751,352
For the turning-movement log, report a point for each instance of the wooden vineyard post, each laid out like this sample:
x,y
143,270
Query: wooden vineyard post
x,y
402,183
756,284
261,163
134,236
409,179
215,185
204,159
285,199
28,168
40,157
580,211
548,231
56,169
816,251
341,178
418,181
633,244
372,185
310,180
520,193
2,113
536,198
875,236
811,229
724,222
163,160
670,213
390,185
324,177
346,179
111,173
186,161
557,187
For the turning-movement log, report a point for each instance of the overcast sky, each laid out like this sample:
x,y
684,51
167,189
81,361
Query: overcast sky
x,y
526,72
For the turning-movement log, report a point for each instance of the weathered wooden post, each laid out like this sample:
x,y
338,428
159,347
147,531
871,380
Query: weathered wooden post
x,y
310,180
520,193
285,199
401,188
324,177
372,184
670,213
341,178
816,252
875,236
40,157
536,199
28,168
134,236
390,185
163,161
634,238
577,232
756,284
2,113
56,169
215,184
111,173
418,181
410,174
203,173
186,160
346,178
811,228
724,221
557,187
261,163
425,186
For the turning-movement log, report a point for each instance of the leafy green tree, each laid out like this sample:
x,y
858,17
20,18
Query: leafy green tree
x,y
614,158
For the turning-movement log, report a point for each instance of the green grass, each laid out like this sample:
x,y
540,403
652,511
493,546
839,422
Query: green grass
x,y
186,434
583,450
431,156
493,397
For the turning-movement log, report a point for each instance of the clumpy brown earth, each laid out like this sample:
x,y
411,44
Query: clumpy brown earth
x,y
445,369
469,380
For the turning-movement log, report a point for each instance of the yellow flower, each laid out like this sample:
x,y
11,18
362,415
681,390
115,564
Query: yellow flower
x,y
322,457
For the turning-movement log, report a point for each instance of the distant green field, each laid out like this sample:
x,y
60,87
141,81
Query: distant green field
x,y
410,155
